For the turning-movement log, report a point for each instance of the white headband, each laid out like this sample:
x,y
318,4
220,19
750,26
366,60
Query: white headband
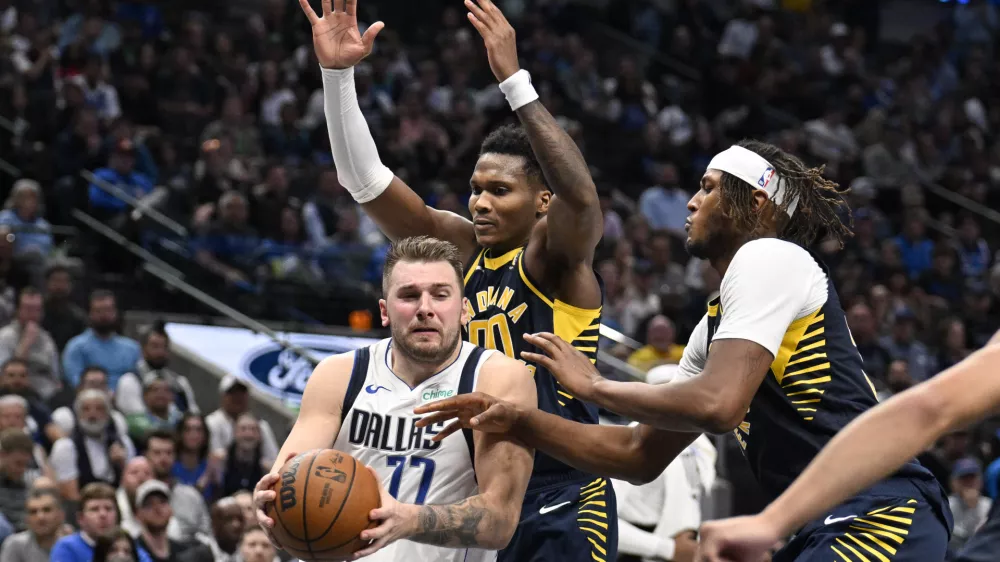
x,y
752,168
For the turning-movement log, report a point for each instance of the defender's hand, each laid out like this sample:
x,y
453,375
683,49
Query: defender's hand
x,y
475,410
570,367
740,539
395,521
336,38
499,36
263,499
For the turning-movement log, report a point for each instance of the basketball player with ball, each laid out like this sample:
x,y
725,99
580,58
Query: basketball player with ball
x,y
454,500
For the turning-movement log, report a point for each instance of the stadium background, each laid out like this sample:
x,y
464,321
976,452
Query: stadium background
x,y
145,127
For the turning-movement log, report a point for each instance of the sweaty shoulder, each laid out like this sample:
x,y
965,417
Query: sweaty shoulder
x,y
769,284
507,379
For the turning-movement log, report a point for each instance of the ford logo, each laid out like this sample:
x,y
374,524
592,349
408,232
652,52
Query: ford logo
x,y
282,372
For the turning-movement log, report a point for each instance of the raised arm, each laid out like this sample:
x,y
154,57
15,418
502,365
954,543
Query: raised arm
x,y
574,224
316,427
873,445
637,454
395,208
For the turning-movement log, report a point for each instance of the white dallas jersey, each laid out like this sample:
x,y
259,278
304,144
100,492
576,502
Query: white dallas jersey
x,y
378,429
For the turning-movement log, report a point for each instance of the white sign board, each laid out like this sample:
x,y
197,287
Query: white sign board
x,y
257,359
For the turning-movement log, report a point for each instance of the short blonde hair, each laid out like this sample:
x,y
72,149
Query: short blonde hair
x,y
421,249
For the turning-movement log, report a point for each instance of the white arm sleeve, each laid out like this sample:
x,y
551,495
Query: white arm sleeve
x,y
695,352
633,540
769,284
354,153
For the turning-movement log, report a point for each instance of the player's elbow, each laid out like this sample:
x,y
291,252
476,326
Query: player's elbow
x,y
501,528
720,416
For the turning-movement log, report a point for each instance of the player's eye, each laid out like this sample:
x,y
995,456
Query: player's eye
x,y
476,189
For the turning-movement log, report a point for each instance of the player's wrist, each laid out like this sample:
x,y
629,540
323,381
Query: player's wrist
x,y
518,90
774,523
410,517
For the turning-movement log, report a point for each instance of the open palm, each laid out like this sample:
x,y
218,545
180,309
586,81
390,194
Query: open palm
x,y
336,38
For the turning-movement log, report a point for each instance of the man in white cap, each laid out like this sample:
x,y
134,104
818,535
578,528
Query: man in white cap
x,y
153,512
772,360
234,401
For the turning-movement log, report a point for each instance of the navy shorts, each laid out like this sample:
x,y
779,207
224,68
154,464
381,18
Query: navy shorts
x,y
571,522
873,529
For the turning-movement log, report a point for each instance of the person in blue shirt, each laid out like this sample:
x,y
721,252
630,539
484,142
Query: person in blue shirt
x,y
121,173
96,518
101,345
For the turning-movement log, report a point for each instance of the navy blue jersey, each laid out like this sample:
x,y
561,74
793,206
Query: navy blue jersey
x,y
506,304
815,386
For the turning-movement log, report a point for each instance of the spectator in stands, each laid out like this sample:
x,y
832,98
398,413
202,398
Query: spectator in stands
x,y
968,505
944,279
661,346
94,378
155,359
196,465
96,518
222,544
14,416
245,465
255,547
233,123
903,344
973,250
269,197
245,499
137,471
94,452
45,519
27,340
101,344
119,173
16,476
62,318
118,546
642,300
864,329
916,248
190,511
229,247
32,233
234,398
14,379
160,411
101,96
154,513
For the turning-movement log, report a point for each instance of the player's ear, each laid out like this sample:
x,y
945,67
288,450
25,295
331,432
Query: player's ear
x,y
542,202
384,311
760,200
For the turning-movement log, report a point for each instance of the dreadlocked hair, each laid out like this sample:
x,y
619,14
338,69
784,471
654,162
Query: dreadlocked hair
x,y
819,199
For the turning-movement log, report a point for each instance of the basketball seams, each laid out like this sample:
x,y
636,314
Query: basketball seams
x,y
343,502
305,503
278,512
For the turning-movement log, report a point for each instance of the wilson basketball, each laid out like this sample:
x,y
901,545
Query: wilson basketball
x,y
324,498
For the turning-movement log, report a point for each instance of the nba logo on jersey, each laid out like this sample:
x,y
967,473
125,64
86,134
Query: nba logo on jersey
x,y
765,178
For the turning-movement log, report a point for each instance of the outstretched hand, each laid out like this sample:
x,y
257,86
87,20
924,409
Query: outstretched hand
x,y
475,410
574,370
497,34
336,38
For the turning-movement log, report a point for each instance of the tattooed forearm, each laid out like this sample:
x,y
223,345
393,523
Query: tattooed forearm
x,y
561,160
464,524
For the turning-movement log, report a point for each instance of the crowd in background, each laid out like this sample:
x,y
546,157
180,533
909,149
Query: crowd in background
x,y
214,116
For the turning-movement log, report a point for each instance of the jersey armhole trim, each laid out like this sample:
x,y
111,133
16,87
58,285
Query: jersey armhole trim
x,y
467,385
470,267
359,373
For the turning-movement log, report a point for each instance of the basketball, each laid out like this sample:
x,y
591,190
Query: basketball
x,y
322,505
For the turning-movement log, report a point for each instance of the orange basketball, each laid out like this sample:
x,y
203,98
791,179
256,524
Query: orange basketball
x,y
324,498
